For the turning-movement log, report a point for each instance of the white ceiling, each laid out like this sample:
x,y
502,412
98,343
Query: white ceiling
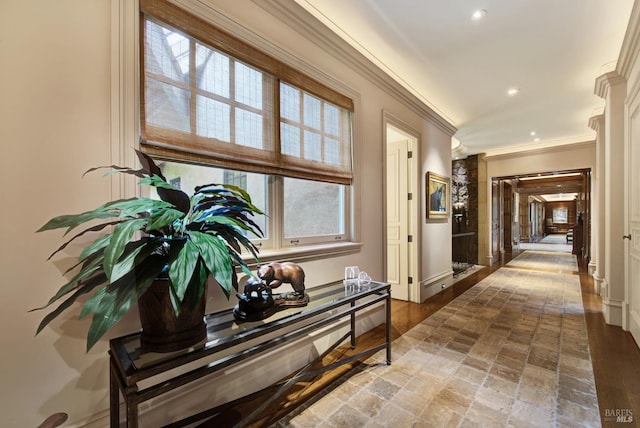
x,y
552,50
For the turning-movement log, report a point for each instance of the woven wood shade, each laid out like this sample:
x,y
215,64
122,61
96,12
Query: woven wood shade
x,y
209,98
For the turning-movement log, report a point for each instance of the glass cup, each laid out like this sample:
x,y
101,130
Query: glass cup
x,y
351,272
351,278
363,279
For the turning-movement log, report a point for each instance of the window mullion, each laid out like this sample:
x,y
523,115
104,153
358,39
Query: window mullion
x,y
193,109
232,101
322,132
275,119
302,124
276,198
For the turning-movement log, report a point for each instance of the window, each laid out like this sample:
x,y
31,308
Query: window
x,y
214,109
313,209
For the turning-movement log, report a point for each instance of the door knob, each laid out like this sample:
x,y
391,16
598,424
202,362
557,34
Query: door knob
x,y
627,237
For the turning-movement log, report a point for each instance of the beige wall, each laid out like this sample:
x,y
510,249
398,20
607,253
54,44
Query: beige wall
x,y
55,123
56,106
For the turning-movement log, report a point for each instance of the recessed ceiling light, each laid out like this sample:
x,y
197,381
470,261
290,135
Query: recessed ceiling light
x,y
478,14
513,91
532,133
536,139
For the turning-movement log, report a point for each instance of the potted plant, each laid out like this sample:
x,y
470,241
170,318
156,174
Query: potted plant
x,y
175,244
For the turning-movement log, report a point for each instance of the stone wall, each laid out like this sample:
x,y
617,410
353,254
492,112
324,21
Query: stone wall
x,y
464,200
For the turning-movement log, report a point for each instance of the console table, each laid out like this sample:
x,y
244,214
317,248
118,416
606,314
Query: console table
x,y
329,303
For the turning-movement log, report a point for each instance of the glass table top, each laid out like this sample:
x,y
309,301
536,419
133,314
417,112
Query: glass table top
x,y
223,331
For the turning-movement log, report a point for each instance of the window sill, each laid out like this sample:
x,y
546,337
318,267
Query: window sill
x,y
304,253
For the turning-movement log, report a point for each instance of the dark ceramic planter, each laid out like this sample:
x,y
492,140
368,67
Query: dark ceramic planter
x,y
162,331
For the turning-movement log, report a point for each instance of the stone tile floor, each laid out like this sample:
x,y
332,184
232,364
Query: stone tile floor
x,y
552,261
511,351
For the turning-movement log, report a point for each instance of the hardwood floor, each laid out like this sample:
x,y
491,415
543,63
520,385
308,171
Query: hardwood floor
x,y
616,361
615,357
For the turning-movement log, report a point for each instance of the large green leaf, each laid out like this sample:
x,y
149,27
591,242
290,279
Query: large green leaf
x,y
182,268
163,218
168,193
148,165
225,220
117,169
197,286
71,221
134,206
98,244
193,292
215,254
156,181
109,304
128,262
122,234
232,235
108,309
227,189
96,228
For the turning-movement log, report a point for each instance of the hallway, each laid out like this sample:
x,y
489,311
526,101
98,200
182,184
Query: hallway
x,y
615,360
510,351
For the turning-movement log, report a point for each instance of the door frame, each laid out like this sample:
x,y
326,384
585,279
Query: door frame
x,y
393,125
631,238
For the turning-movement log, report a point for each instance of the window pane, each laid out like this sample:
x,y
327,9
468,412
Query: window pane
x,y
290,140
168,53
213,118
189,176
213,71
248,86
332,151
312,111
248,129
167,106
331,119
312,208
312,146
289,102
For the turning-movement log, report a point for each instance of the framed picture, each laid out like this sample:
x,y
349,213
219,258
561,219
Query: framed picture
x,y
560,215
437,189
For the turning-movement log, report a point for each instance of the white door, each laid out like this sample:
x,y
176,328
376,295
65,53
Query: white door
x,y
397,220
632,237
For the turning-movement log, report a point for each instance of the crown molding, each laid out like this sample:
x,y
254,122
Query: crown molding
x,y
630,44
605,81
303,22
542,150
595,122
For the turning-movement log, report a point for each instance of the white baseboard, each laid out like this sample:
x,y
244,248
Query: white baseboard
x,y
591,268
599,284
432,286
612,310
634,326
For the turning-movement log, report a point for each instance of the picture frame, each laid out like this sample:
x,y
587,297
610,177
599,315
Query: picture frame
x,y
560,215
437,196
